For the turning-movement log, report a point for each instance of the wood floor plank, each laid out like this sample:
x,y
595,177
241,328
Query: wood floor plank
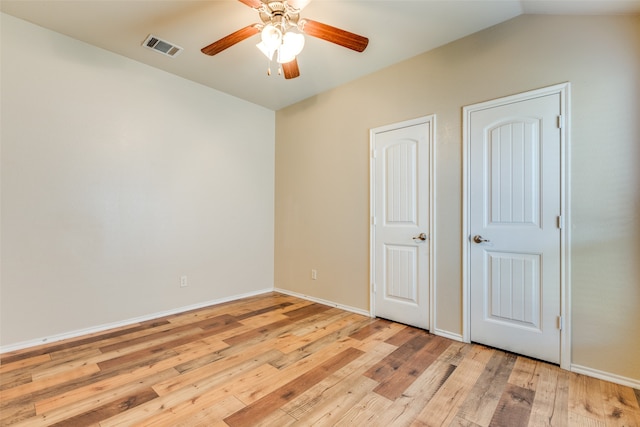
x,y
514,408
205,408
112,408
484,397
584,397
551,397
274,400
60,366
443,407
112,381
405,409
392,363
346,384
6,367
404,335
273,329
345,324
371,328
210,384
319,340
524,373
333,408
277,360
269,384
98,401
215,370
620,405
34,386
366,412
395,385
205,415
326,321
15,378
263,310
78,342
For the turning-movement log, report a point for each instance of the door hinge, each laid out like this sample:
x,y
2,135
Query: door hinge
x,y
560,222
373,154
560,122
373,220
560,322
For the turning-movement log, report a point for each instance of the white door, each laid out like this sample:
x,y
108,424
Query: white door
x,y
514,188
400,237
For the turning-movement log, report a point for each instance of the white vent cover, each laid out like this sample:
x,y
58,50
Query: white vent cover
x,y
161,46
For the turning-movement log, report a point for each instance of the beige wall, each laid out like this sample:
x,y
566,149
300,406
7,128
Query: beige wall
x,y
118,178
322,170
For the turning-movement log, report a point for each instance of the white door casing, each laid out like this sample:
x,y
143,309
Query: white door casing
x,y
516,224
401,221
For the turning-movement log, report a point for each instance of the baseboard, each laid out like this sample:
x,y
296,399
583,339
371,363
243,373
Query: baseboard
x,y
107,326
606,376
446,334
324,302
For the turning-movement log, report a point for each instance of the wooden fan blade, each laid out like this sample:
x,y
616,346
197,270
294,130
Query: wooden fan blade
x,y
334,35
230,40
291,70
252,3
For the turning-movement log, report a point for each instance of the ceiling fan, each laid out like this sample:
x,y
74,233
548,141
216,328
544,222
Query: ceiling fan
x,y
282,34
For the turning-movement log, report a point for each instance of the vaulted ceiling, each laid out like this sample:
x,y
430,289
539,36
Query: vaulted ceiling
x,y
397,30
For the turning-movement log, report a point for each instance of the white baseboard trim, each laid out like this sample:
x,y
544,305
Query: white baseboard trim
x,y
606,376
447,334
324,302
105,327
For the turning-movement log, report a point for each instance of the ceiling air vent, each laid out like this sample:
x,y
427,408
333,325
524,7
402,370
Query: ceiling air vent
x,y
161,46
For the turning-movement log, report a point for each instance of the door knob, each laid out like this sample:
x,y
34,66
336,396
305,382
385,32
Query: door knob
x,y
479,239
421,236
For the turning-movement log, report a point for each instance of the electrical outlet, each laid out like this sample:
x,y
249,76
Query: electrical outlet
x,y
183,281
314,274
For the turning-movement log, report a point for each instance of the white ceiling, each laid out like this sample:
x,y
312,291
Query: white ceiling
x,y
396,29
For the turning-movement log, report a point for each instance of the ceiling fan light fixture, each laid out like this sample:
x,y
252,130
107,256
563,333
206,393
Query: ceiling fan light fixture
x,y
264,49
294,41
282,32
271,37
292,44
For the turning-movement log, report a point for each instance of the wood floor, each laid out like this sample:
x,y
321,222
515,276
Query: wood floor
x,y
276,360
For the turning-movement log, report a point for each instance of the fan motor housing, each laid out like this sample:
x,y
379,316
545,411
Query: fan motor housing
x,y
279,11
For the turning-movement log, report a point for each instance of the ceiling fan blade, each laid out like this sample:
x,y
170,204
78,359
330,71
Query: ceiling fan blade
x,y
252,3
230,40
291,70
334,35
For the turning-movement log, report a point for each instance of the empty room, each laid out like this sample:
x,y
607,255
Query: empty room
x,y
357,213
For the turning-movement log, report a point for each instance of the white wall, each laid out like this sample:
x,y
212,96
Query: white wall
x,y
322,180
117,179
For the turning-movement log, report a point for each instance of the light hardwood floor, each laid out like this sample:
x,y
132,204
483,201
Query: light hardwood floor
x,y
276,360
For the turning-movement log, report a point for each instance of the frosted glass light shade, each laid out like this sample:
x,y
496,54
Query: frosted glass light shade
x,y
264,49
271,37
292,44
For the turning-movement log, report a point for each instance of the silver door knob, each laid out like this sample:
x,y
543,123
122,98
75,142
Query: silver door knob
x,y
421,236
479,239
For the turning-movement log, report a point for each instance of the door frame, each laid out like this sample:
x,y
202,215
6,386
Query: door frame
x,y
563,89
431,119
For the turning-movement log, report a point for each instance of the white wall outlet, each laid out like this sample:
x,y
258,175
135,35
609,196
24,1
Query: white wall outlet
x,y
183,281
314,274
